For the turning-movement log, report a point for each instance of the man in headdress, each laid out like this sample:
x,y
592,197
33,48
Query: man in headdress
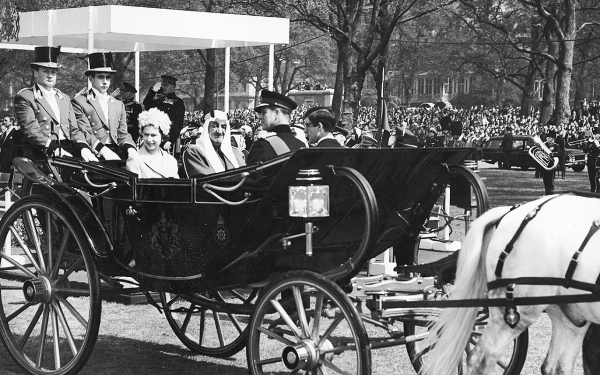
x,y
100,116
132,109
45,115
162,96
274,111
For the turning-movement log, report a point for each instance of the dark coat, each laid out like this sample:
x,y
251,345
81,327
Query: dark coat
x,y
170,104
263,151
328,142
7,140
132,111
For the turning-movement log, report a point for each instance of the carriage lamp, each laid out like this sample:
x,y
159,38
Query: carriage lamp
x,y
309,200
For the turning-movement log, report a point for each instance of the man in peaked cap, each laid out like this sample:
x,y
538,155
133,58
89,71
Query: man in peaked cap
x,y
132,109
102,117
274,112
162,96
45,115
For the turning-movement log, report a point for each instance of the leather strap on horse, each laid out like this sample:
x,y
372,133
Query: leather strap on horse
x,y
279,146
588,287
571,270
511,243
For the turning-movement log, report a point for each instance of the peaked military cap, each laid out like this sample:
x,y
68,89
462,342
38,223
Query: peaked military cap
x,y
46,57
275,99
100,62
169,79
129,87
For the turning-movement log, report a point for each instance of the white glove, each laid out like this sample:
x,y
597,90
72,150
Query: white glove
x,y
116,93
108,154
61,152
83,91
157,86
87,155
167,145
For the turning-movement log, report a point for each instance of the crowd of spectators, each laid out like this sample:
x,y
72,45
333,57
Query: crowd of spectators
x,y
479,124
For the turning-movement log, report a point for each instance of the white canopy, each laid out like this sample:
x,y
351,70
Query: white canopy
x,y
120,28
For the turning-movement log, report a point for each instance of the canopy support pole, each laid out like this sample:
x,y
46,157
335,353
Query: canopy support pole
x,y
50,28
137,72
227,67
90,38
271,63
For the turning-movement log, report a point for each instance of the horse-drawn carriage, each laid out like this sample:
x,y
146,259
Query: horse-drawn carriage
x,y
264,256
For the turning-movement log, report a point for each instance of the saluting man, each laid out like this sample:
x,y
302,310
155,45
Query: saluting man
x,y
162,96
101,117
275,111
45,115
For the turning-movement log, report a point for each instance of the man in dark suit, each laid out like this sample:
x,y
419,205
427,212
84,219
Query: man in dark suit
x,y
101,117
7,141
274,111
44,114
132,109
319,124
162,96
507,146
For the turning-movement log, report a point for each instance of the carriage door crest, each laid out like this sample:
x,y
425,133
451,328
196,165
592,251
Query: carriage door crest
x,y
221,233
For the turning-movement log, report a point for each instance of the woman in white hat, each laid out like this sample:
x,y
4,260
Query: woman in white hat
x,y
151,161
213,152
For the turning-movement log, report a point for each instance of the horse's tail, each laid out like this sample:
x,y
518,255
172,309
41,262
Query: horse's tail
x,y
454,326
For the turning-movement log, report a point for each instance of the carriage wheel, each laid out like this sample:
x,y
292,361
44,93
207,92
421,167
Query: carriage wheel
x,y
49,289
211,332
452,215
510,363
305,323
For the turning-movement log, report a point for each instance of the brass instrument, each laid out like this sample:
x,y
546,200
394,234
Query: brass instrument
x,y
541,154
577,142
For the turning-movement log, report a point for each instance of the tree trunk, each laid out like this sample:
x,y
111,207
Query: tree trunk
x,y
210,87
548,96
528,98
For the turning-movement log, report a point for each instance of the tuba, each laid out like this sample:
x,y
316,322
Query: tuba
x,y
541,154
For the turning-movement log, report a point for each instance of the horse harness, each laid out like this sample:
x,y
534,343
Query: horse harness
x,y
511,316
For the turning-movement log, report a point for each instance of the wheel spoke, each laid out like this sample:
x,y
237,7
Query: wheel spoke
x,y
275,336
300,309
217,320
238,295
61,252
25,248
43,334
268,361
17,264
35,239
65,326
31,326
235,322
70,270
338,319
188,317
18,311
56,337
73,311
317,316
202,325
286,318
333,367
49,239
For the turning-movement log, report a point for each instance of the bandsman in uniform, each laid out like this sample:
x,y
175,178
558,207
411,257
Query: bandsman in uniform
x,y
45,115
274,112
592,147
132,109
162,96
319,125
548,176
101,117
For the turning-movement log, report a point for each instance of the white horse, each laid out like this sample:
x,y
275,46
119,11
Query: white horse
x,y
544,248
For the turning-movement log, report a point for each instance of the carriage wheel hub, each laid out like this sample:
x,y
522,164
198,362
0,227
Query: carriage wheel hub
x,y
37,290
304,355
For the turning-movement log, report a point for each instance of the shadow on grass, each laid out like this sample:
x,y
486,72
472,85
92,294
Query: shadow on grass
x,y
124,356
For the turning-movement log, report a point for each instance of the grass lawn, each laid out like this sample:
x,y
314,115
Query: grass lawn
x,y
138,340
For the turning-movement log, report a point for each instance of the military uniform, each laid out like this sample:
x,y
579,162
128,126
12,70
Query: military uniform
x,y
132,111
283,141
172,105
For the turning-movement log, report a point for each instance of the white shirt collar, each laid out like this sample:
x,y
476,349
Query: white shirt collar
x,y
47,92
99,95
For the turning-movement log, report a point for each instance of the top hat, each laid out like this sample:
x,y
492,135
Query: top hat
x,y
168,79
275,99
100,62
46,57
128,87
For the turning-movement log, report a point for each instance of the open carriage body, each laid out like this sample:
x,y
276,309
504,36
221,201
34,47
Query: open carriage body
x,y
79,228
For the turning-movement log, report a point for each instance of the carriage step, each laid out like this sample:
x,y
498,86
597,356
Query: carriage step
x,y
439,245
414,285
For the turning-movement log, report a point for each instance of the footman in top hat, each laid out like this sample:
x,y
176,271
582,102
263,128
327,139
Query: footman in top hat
x,y
162,96
100,116
45,115
274,111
